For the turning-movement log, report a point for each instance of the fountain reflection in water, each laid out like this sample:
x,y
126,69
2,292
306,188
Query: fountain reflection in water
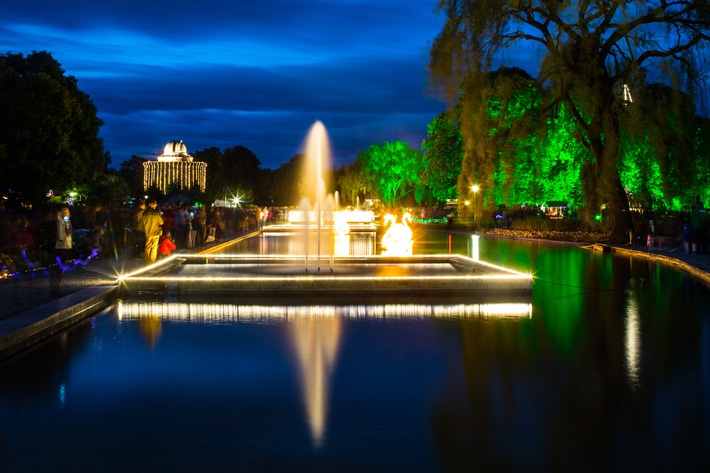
x,y
315,338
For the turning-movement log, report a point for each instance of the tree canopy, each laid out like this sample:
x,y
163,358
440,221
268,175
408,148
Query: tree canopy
x,y
392,168
593,50
48,129
443,153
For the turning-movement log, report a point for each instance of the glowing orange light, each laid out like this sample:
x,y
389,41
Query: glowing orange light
x,y
397,241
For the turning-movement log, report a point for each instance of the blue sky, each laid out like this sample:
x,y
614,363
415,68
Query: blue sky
x,y
254,73
251,73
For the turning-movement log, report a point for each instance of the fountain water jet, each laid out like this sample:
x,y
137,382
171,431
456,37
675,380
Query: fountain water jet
x,y
316,164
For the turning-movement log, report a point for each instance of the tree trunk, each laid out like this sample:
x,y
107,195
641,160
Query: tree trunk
x,y
589,177
617,209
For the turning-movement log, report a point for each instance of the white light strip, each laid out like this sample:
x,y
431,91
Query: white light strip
x,y
228,313
375,259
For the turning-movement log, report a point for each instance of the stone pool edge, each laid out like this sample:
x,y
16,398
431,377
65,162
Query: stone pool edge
x,y
35,325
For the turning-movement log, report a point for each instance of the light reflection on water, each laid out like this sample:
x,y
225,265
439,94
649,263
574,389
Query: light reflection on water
x,y
632,342
607,370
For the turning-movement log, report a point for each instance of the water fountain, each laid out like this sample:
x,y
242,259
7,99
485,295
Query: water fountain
x,y
396,272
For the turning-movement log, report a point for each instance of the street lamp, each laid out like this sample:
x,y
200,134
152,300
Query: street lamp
x,y
474,188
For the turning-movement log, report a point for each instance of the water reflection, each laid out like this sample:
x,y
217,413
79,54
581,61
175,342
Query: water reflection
x,y
314,331
315,338
359,243
610,373
151,327
232,313
632,341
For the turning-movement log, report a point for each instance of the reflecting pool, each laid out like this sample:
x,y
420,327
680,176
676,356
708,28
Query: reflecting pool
x,y
607,370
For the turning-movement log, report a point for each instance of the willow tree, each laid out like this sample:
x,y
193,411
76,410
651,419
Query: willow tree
x,y
662,155
592,50
498,118
352,183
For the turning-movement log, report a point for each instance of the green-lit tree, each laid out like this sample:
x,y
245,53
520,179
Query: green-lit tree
x,y
443,153
392,168
660,143
558,173
592,48
48,129
502,153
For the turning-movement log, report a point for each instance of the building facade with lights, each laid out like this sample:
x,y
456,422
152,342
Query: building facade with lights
x,y
175,168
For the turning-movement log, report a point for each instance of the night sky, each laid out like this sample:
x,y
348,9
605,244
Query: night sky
x,y
251,73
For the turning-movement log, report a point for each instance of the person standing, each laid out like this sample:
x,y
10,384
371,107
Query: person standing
x,y
63,248
685,235
696,211
137,237
181,230
63,245
152,224
650,240
199,223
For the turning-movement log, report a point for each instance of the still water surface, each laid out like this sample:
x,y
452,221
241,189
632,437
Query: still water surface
x,y
609,372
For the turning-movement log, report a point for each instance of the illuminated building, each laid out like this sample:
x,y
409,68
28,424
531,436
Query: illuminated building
x,y
174,168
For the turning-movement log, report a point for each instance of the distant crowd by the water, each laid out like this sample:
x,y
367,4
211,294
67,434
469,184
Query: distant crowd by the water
x,y
27,237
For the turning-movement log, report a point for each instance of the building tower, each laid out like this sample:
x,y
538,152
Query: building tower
x,y
175,167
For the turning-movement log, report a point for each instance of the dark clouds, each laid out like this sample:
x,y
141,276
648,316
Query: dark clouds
x,y
256,74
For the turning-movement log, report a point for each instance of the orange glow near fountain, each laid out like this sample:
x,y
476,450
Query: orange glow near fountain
x,y
397,241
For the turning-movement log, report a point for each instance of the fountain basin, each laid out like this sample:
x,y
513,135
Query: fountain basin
x,y
352,277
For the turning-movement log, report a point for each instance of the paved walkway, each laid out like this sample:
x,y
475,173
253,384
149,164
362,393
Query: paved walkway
x,y
32,289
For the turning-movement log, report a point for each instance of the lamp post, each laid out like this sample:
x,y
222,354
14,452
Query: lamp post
x,y
474,188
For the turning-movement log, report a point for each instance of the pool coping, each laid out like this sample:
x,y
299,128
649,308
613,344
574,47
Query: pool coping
x,y
33,326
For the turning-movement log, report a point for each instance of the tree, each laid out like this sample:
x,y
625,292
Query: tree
x,y
240,168
212,156
593,50
287,189
108,185
443,153
48,129
659,141
500,111
132,172
352,183
393,168
235,170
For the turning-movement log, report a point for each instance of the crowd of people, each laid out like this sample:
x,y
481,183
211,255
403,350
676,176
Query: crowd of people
x,y
159,231
80,232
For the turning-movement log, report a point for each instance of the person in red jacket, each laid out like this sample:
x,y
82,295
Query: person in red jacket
x,y
166,245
